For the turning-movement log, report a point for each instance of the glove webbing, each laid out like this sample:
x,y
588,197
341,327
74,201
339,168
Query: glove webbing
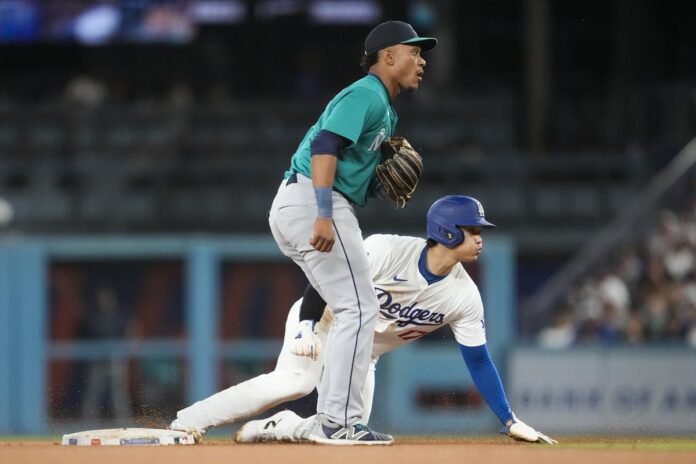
x,y
400,176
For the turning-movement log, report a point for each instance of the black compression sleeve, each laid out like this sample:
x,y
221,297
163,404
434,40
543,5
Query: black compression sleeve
x,y
328,143
312,305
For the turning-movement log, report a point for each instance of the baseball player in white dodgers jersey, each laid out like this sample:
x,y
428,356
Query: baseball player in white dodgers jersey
x,y
421,286
313,221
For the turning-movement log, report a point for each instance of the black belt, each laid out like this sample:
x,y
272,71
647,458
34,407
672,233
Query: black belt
x,y
293,180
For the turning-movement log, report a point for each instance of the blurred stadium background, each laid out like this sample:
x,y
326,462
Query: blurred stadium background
x,y
141,143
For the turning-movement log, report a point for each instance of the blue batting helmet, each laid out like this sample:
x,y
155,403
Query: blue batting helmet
x,y
448,214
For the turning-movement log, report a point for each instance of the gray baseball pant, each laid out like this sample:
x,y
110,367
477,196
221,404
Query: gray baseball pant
x,y
342,278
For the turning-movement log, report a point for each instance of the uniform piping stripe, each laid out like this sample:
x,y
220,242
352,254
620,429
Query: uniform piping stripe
x,y
357,334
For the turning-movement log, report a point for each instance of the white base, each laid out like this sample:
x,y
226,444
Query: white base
x,y
128,437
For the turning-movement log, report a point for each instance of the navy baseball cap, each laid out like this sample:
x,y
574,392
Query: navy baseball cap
x,y
395,32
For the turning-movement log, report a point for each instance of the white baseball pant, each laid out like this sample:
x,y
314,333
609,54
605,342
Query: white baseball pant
x,y
293,377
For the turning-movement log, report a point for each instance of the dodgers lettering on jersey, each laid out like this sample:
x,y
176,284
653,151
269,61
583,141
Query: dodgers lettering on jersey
x,y
404,316
362,114
409,307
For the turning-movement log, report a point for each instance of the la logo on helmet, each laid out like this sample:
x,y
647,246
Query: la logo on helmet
x,y
479,206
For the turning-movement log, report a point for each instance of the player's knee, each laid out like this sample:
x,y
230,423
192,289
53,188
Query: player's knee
x,y
302,382
296,383
305,385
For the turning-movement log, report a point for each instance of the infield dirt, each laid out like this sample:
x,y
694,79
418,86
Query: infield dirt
x,y
414,450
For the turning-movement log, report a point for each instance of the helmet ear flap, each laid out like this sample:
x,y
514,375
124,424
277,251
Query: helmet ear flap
x,y
454,236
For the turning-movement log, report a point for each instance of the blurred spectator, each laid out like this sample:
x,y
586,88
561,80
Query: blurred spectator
x,y
667,232
6,213
646,295
611,325
634,329
630,268
85,91
588,332
106,379
586,300
561,334
614,292
654,315
679,260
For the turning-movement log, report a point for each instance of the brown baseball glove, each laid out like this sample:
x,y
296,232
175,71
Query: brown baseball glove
x,y
400,170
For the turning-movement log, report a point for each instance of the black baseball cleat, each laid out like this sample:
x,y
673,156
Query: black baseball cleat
x,y
326,432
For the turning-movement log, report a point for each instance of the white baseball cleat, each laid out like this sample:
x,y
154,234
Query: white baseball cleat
x,y
197,433
280,427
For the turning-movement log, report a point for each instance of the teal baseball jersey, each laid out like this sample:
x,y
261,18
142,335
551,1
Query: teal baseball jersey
x,y
361,113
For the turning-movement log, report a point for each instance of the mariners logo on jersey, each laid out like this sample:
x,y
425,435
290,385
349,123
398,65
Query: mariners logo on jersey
x,y
406,314
379,138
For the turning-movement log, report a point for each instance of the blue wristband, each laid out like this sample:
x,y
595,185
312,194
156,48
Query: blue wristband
x,y
324,201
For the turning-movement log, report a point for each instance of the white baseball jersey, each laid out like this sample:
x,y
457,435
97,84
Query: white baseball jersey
x,y
411,308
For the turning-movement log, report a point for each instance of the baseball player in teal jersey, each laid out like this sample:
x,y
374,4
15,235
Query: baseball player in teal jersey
x,y
361,113
313,221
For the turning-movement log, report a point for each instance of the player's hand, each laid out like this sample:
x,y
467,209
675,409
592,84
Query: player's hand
x,y
518,430
323,237
306,342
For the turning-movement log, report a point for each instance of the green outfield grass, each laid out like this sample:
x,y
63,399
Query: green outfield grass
x,y
574,442
641,444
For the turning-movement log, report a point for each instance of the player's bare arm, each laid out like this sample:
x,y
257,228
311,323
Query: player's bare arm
x,y
323,171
